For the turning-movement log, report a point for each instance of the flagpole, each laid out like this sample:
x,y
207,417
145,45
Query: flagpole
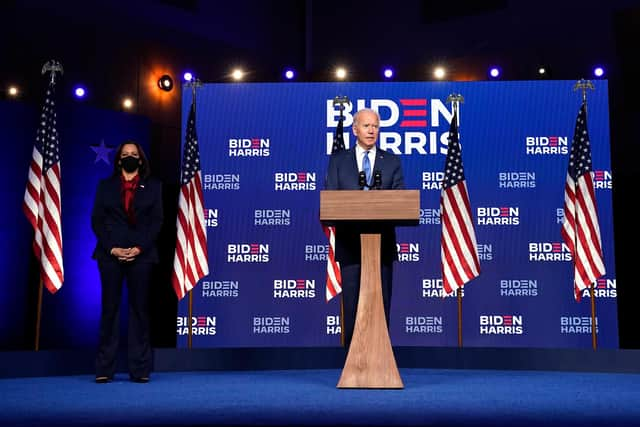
x,y
584,85
455,100
340,100
193,84
52,67
38,316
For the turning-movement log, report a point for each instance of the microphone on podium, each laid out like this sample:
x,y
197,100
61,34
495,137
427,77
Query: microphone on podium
x,y
362,180
377,179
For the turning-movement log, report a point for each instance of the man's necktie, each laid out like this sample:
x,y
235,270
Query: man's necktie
x,y
366,167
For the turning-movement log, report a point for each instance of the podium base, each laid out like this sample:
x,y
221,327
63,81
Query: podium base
x,y
370,362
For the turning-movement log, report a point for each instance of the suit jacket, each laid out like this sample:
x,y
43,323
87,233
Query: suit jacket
x,y
111,226
342,174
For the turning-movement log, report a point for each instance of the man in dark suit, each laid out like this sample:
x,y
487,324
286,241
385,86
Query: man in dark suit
x,y
126,219
382,170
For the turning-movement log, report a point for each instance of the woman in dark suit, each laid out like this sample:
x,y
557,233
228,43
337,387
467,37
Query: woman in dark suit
x,y
126,219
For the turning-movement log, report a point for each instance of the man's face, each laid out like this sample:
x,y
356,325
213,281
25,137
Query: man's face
x,y
366,129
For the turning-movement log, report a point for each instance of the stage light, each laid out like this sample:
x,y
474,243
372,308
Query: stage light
x,y
165,82
544,72
341,73
13,91
237,74
387,73
127,103
494,72
289,74
439,73
187,76
598,71
79,92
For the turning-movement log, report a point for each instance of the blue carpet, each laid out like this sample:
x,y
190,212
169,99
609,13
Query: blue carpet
x,y
310,397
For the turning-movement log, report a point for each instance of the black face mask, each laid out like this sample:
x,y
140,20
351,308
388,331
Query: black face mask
x,y
130,163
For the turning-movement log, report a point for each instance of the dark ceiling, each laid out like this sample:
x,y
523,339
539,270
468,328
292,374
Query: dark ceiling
x,y
113,46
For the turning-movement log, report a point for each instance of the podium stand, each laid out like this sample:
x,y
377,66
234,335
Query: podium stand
x,y
370,362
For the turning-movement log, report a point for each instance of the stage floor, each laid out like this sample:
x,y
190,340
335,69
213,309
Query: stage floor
x,y
309,397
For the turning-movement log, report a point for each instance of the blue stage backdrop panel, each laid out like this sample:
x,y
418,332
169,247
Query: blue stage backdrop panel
x,y
88,138
17,121
264,150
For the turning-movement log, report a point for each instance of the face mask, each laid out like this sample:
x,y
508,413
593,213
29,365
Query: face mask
x,y
129,163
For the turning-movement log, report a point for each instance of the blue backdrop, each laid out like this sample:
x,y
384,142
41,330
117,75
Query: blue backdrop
x,y
264,150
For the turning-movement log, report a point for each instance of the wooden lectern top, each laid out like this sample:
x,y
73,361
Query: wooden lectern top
x,y
374,205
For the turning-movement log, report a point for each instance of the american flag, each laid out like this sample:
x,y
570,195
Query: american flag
x,y
458,249
334,277
580,229
190,262
42,201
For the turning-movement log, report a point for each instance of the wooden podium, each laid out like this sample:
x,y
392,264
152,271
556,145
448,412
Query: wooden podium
x,y
370,362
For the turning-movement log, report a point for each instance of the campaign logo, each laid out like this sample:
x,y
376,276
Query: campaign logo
x,y
604,288
333,325
294,181
501,324
408,252
316,252
433,288
546,145
200,325
516,180
211,217
247,252
271,325
263,217
485,252
294,288
504,215
249,147
576,325
221,181
559,215
430,216
602,180
423,325
518,288
402,124
220,288
549,252
432,180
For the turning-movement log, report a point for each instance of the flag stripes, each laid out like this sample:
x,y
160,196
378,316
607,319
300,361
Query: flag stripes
x,y
458,247
580,228
190,263
42,202
334,277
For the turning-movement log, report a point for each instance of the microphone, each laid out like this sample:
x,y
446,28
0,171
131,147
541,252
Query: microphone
x,y
362,180
377,179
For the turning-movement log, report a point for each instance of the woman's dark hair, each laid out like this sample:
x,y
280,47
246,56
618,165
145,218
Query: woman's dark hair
x,y
144,171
